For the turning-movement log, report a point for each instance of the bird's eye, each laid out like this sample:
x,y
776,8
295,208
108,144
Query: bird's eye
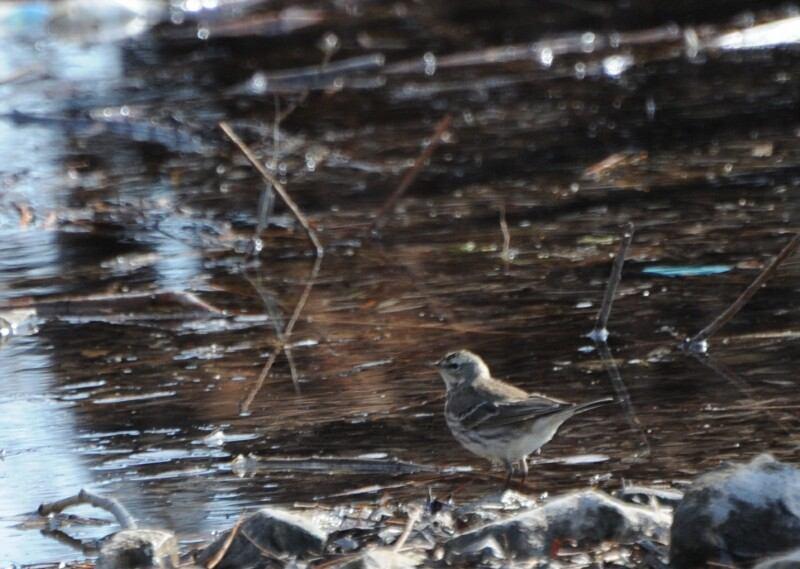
x,y
452,365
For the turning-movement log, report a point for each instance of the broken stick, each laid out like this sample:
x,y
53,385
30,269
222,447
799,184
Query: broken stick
x,y
123,517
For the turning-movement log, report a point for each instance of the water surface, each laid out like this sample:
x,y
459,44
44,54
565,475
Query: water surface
x,y
132,249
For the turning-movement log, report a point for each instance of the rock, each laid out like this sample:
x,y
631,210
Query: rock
x,y
738,513
132,548
789,560
17,321
587,517
273,531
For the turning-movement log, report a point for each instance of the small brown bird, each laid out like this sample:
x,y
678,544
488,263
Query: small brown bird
x,y
496,420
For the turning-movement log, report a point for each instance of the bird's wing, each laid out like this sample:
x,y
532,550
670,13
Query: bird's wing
x,y
490,415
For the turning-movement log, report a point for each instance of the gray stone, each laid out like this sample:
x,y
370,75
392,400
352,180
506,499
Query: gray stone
x,y
587,517
139,548
738,513
270,532
789,560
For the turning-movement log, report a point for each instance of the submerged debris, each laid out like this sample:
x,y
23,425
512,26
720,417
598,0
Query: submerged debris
x,y
131,548
268,534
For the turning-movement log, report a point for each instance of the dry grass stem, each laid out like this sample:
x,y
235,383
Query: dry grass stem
x,y
413,516
267,175
698,343
505,254
220,554
600,332
314,273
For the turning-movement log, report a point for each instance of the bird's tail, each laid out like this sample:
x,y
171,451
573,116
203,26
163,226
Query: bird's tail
x,y
583,407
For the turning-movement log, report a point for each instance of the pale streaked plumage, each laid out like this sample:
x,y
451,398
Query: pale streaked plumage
x,y
496,420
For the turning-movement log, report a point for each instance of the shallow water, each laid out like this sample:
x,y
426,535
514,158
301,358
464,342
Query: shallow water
x,y
149,332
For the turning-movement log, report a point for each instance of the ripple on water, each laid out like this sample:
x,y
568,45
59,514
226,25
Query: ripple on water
x,y
159,456
131,398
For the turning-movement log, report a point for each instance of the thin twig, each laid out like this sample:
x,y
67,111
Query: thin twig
x,y
123,517
600,332
276,132
699,342
265,207
214,561
265,552
413,516
318,251
287,334
506,252
287,199
267,199
412,173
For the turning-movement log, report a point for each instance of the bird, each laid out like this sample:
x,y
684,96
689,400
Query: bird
x,y
496,420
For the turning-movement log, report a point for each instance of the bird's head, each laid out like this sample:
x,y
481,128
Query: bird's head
x,y
461,367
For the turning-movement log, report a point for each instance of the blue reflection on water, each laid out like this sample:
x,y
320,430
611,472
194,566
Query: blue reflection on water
x,y
686,271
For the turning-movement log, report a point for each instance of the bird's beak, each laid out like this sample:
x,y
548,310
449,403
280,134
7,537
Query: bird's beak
x,y
437,364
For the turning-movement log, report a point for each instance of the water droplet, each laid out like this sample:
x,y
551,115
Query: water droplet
x,y
429,60
546,56
616,65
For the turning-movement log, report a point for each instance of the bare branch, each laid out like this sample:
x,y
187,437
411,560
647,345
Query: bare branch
x,y
110,505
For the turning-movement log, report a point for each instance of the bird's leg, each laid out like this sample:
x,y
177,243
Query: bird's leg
x,y
510,469
524,464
